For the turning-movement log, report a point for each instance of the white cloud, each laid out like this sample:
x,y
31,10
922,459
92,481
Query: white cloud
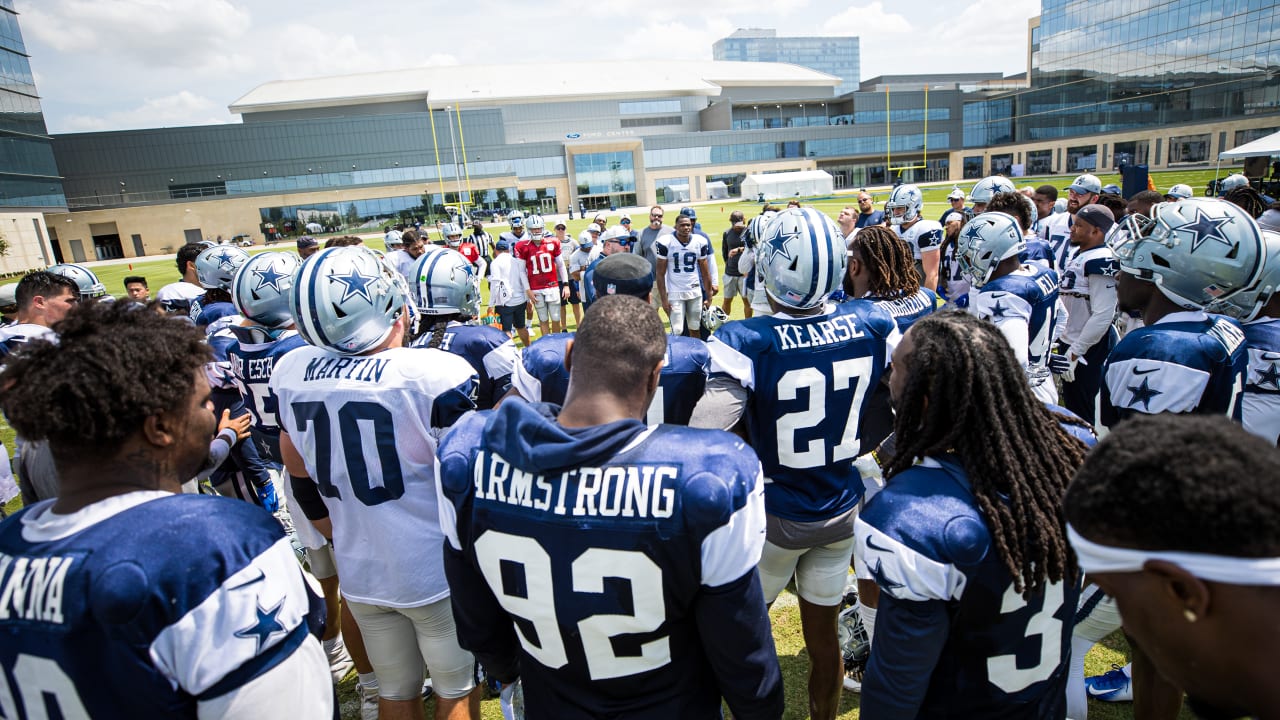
x,y
315,52
866,21
179,109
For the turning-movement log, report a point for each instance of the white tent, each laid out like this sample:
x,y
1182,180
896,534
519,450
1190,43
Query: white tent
x,y
776,186
717,190
1265,147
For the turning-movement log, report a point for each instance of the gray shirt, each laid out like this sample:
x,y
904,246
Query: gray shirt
x,y
646,247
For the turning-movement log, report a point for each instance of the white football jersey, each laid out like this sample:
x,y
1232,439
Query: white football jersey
x,y
923,236
684,278
366,427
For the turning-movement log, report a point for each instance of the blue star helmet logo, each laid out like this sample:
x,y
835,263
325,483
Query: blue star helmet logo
x,y
1204,229
268,277
1144,394
267,624
356,284
225,260
974,232
780,244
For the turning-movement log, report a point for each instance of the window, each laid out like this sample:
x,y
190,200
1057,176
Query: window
x,y
648,107
1189,148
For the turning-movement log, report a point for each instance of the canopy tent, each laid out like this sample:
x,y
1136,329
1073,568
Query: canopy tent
x,y
1262,147
717,190
775,186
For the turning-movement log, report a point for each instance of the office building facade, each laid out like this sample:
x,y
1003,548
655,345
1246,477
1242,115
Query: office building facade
x,y
833,55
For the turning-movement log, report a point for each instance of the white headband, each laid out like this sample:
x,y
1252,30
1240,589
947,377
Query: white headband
x,y
1095,558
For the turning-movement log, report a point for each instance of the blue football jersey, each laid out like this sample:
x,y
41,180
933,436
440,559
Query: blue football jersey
x,y
541,376
907,310
489,351
1038,251
252,357
1188,362
144,604
807,380
615,563
956,640
1260,407
16,335
1023,304
211,313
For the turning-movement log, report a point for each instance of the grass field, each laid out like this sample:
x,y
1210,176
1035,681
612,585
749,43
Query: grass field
x,y
785,616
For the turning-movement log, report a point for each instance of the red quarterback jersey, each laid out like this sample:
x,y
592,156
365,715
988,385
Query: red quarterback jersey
x,y
540,262
470,252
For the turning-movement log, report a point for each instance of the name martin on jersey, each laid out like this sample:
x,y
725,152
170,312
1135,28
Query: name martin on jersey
x,y
33,590
366,369
837,329
641,491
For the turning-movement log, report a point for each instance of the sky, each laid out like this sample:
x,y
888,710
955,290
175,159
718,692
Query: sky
x,y
126,64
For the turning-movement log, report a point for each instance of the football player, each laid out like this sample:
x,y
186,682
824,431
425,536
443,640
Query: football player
x,y
987,188
1021,299
800,381
966,540
1257,307
124,598
684,276
215,269
542,376
359,416
548,278
176,297
1083,191
1023,209
753,282
610,579
924,237
447,292
1145,518
91,288
44,298
1172,266
1088,291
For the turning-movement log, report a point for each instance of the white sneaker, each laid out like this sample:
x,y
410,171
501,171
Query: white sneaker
x,y
852,685
427,689
368,701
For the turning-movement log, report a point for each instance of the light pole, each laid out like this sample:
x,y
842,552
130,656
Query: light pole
x,y
757,109
453,147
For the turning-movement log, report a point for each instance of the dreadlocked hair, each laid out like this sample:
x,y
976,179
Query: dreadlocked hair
x,y
1018,459
1248,198
888,260
113,366
439,323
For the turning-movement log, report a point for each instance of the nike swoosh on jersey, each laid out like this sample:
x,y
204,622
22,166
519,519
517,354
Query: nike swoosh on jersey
x,y
260,578
998,295
873,546
1148,371
1270,357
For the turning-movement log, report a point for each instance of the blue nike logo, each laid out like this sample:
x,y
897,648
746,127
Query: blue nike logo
x,y
873,546
1148,371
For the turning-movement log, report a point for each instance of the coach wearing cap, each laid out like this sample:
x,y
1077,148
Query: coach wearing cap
x,y
1084,191
956,198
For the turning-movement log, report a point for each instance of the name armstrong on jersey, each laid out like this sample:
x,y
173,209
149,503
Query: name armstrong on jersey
x,y
33,590
836,329
639,491
365,369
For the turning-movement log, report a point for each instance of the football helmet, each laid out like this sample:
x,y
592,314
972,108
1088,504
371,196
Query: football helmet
x,y
347,300
1180,191
452,234
1233,181
536,225
987,187
1059,206
803,257
83,277
908,197
755,228
984,242
713,316
1196,251
395,243
216,267
1111,188
516,219
445,283
1246,304
260,291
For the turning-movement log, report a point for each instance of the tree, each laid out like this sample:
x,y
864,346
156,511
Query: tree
x,y
353,215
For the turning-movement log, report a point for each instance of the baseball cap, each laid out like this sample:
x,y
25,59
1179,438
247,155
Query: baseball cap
x,y
626,220
593,228
9,295
1086,184
1098,216
623,274
1179,191
307,241
955,194
560,226
689,213
502,245
953,215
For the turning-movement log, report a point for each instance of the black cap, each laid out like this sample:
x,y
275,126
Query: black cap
x,y
1099,216
623,274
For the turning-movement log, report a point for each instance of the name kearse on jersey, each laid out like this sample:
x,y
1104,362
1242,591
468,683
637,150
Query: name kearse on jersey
x,y
827,332
641,491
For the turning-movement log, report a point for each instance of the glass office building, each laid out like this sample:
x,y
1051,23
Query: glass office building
x,y
28,175
1107,68
832,55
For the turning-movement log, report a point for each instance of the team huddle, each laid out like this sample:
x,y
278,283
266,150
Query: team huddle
x,y
596,524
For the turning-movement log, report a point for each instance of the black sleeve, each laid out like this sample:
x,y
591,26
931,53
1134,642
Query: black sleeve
x,y
308,498
734,620
483,626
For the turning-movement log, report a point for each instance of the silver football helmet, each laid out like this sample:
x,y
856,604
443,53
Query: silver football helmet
x,y
803,257
984,242
444,283
713,316
347,300
83,277
216,266
1233,181
261,288
987,187
907,197
1197,251
452,234
536,226
1246,304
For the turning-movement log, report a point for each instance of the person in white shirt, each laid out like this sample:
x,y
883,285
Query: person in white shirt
x,y
1089,293
684,276
509,290
177,297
